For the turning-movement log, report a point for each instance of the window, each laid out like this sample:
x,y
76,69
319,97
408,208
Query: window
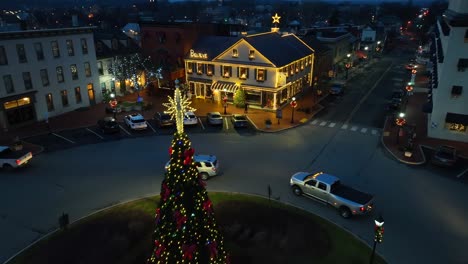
x,y
100,68
27,80
59,71
251,54
39,51
74,71
112,83
243,73
456,127
208,164
189,67
84,46
109,68
103,87
44,77
261,75
71,51
302,64
8,81
235,53
291,69
55,49
456,90
311,183
462,65
3,57
227,71
210,69
21,53
64,96
322,186
49,102
200,68
78,95
16,103
297,66
87,68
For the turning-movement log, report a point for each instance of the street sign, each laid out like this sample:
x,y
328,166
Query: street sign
x,y
279,113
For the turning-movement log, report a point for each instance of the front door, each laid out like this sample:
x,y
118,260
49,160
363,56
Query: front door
x,y
92,100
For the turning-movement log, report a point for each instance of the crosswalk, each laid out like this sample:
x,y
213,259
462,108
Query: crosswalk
x,y
349,127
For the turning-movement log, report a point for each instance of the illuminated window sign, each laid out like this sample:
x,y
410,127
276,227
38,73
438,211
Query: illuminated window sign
x,y
198,55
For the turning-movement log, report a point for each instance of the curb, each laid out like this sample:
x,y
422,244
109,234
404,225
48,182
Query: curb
x,y
397,158
151,195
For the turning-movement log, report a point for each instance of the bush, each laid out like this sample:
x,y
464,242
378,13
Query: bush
x,y
239,98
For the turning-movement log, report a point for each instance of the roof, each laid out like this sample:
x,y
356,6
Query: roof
x,y
214,45
314,43
327,178
291,47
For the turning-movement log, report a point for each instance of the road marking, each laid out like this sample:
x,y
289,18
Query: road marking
x,y
226,122
332,125
201,123
345,126
374,132
154,130
363,130
354,128
363,99
95,133
323,123
461,174
128,133
64,138
314,122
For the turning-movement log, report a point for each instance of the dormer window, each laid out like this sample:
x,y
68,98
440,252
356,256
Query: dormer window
x,y
251,54
235,53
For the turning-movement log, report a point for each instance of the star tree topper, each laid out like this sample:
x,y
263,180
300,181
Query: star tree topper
x,y
177,107
276,18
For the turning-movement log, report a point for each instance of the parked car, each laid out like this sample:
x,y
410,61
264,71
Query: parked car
x,y
411,66
163,119
190,119
214,118
108,125
207,165
329,189
10,159
337,88
110,110
445,156
239,121
136,122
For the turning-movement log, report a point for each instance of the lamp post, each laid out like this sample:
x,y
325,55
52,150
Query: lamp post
x,y
347,65
225,100
400,122
293,105
378,236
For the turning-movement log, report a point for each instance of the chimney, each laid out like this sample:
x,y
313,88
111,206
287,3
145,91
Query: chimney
x,y
74,20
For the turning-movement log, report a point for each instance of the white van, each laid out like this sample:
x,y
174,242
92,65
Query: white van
x,y
207,165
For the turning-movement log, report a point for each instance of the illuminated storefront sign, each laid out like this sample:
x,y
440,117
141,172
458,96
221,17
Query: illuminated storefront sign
x,y
198,55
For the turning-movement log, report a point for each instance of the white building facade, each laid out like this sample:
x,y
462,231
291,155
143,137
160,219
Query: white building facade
x,y
449,117
46,73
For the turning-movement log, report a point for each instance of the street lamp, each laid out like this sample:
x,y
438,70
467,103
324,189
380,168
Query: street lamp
x,y
225,100
113,104
293,105
378,236
347,65
400,122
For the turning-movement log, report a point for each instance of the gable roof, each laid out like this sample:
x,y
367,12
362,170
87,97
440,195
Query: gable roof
x,y
279,49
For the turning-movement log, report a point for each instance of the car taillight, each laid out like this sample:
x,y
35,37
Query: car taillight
x,y
362,209
214,168
18,162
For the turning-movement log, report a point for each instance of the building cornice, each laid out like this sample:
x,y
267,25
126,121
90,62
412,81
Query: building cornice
x,y
41,33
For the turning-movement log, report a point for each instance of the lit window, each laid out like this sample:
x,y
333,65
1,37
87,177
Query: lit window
x,y
297,66
243,73
235,53
78,95
74,71
291,69
71,51
49,102
189,67
199,68
302,64
251,54
261,75
209,69
227,70
64,96
457,127
60,74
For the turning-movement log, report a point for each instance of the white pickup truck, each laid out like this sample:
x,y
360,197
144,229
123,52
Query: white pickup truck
x,y
13,159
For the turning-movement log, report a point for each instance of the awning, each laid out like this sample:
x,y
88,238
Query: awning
x,y
225,87
456,119
200,80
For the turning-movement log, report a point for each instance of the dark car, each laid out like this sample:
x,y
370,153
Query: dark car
x,y
109,125
239,120
163,119
445,156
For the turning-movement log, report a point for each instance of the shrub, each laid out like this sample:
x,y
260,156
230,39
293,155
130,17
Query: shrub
x,y
239,98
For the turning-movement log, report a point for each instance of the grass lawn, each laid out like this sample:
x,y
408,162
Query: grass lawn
x,y
255,231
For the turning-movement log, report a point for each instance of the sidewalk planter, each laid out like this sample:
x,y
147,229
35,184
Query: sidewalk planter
x,y
268,123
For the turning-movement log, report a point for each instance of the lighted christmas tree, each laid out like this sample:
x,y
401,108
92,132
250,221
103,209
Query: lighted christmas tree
x,y
186,229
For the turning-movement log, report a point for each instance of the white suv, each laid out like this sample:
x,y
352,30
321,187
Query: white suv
x,y
207,165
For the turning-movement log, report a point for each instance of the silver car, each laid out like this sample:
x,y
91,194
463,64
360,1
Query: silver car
x,y
214,118
207,165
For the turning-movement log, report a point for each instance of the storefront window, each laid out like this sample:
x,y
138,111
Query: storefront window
x,y
284,95
253,97
457,127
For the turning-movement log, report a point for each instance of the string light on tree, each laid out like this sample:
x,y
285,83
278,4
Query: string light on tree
x,y
177,107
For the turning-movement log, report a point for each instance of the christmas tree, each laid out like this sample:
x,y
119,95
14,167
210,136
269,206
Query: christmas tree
x,y
186,229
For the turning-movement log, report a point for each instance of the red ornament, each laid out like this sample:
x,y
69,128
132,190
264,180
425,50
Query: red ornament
x,y
189,152
213,248
170,150
166,192
188,251
180,219
159,248
207,206
187,160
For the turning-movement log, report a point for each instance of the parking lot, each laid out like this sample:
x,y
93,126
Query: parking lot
x,y
65,139
457,172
